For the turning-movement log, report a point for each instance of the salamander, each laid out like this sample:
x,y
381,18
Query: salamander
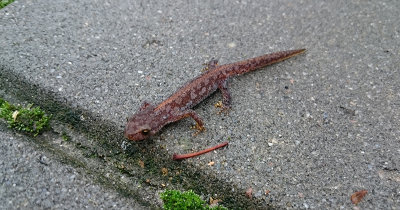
x,y
149,119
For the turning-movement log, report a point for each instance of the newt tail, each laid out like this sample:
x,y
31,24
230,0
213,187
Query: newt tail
x,y
150,119
261,61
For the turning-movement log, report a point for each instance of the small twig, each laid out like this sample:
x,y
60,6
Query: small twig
x,y
194,154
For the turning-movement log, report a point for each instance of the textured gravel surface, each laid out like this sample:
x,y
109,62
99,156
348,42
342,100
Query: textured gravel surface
x,y
311,130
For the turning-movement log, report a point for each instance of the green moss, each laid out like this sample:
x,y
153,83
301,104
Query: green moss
x,y
65,136
4,3
28,119
174,199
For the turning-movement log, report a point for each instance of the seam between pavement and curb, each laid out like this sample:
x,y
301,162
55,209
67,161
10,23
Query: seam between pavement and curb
x,y
104,144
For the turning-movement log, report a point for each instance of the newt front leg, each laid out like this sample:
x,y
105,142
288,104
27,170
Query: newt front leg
x,y
188,113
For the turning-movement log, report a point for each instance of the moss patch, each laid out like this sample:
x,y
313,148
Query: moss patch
x,y
4,3
26,119
174,199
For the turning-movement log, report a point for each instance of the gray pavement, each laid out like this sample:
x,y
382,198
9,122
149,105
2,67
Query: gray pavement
x,y
311,130
34,179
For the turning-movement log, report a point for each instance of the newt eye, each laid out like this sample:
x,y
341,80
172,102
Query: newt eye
x,y
145,132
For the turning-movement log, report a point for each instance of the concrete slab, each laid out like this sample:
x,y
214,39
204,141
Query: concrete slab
x,y
311,130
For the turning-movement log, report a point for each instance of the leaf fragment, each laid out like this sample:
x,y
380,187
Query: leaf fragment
x,y
15,115
141,163
358,196
164,171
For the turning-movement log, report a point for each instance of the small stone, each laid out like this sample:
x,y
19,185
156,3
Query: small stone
x,y
44,160
232,45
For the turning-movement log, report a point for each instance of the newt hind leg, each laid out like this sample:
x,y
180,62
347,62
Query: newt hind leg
x,y
225,105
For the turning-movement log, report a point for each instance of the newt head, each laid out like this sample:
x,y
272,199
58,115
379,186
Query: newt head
x,y
139,126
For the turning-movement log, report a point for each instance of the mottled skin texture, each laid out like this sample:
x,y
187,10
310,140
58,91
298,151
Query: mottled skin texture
x,y
150,119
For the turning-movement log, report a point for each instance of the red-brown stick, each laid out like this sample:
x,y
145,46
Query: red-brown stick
x,y
194,154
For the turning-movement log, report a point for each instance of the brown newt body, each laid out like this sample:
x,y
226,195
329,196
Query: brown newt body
x,y
150,119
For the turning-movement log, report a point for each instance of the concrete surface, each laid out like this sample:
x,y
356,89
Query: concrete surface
x,y
311,130
33,179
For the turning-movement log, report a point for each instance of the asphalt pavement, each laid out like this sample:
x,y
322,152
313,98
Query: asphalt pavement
x,y
304,133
